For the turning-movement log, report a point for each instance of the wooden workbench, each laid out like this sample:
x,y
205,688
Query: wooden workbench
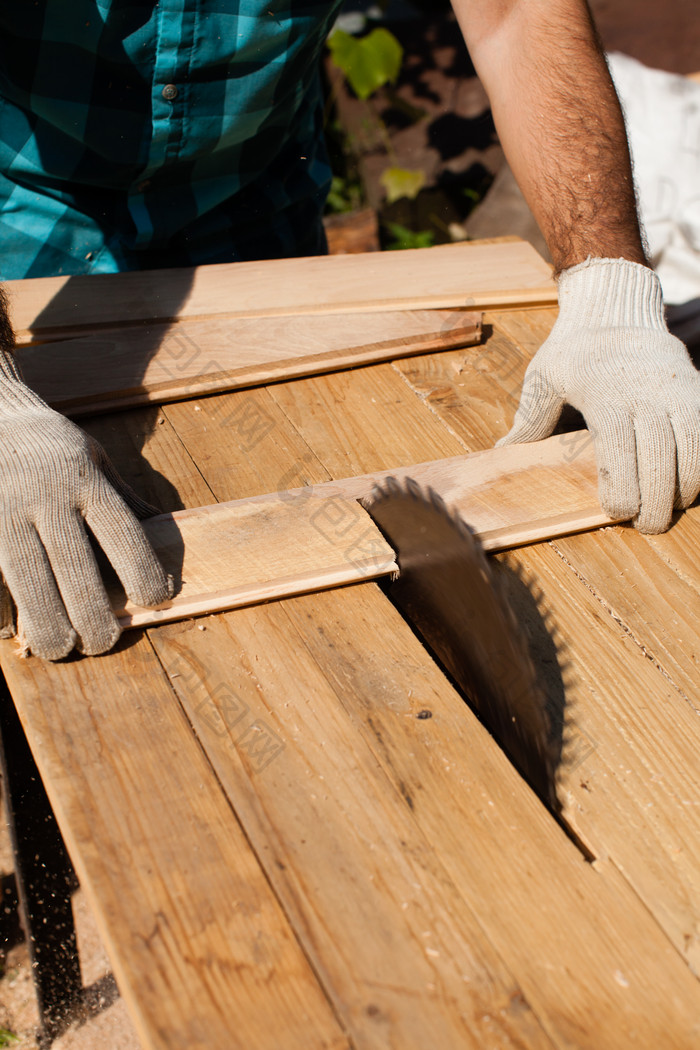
x,y
292,830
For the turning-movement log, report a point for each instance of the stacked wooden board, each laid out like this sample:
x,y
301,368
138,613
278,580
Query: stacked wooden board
x,y
293,831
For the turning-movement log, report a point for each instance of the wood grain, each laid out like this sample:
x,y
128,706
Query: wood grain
x,y
364,421
244,444
629,783
580,946
391,936
202,951
291,542
472,276
223,556
137,364
652,585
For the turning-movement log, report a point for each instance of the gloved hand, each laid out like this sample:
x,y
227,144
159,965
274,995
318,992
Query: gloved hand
x,y
611,356
53,478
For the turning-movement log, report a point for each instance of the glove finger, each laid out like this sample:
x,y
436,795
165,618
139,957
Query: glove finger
x,y
656,462
140,507
124,542
46,627
7,612
616,457
686,428
538,412
79,582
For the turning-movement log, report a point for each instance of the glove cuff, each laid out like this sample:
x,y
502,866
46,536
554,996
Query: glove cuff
x,y
611,293
14,393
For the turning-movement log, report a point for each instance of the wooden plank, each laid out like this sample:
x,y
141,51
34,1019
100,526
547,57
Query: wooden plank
x,y
393,939
225,557
461,388
200,947
528,329
244,444
475,392
591,962
472,276
630,781
147,452
364,420
135,364
652,585
292,542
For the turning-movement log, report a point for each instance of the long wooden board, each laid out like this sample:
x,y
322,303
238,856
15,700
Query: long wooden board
x,y
202,950
285,543
376,913
630,781
456,275
578,945
136,364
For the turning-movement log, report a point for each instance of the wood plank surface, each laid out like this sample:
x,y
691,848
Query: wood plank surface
x,y
382,790
244,444
364,420
291,542
476,392
630,789
652,585
444,797
464,275
387,931
225,557
135,364
202,951
146,451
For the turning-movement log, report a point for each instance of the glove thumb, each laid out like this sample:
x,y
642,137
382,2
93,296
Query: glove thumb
x,y
538,412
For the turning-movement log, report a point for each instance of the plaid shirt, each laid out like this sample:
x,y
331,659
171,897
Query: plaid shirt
x,y
143,134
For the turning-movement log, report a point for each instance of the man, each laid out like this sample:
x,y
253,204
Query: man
x,y
189,131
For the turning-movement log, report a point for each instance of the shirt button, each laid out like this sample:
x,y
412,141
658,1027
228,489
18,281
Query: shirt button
x,y
169,92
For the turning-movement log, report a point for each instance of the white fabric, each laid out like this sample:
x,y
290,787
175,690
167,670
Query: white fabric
x,y
662,113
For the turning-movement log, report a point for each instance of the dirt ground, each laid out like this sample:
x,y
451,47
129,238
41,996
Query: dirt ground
x,y
663,35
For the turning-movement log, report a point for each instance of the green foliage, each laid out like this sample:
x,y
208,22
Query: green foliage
x,y
7,1037
401,182
402,237
345,195
368,62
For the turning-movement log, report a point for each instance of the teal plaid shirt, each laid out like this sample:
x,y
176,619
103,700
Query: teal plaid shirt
x,y
150,134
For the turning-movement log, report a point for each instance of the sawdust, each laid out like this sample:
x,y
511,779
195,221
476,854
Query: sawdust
x,y
105,1021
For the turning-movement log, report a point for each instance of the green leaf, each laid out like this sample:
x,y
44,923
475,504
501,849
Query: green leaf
x,y
6,1037
401,182
367,62
405,238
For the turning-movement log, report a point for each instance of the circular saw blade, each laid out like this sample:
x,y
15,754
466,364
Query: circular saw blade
x,y
448,592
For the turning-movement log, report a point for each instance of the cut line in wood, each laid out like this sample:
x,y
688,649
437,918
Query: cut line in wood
x,y
135,365
468,276
293,542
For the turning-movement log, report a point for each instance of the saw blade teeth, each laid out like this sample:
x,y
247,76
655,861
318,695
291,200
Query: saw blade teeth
x,y
375,495
392,486
437,501
413,488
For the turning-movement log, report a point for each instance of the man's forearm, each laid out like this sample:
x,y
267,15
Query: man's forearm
x,y
559,121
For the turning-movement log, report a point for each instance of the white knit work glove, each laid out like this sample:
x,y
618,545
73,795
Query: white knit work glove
x,y
53,479
611,356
